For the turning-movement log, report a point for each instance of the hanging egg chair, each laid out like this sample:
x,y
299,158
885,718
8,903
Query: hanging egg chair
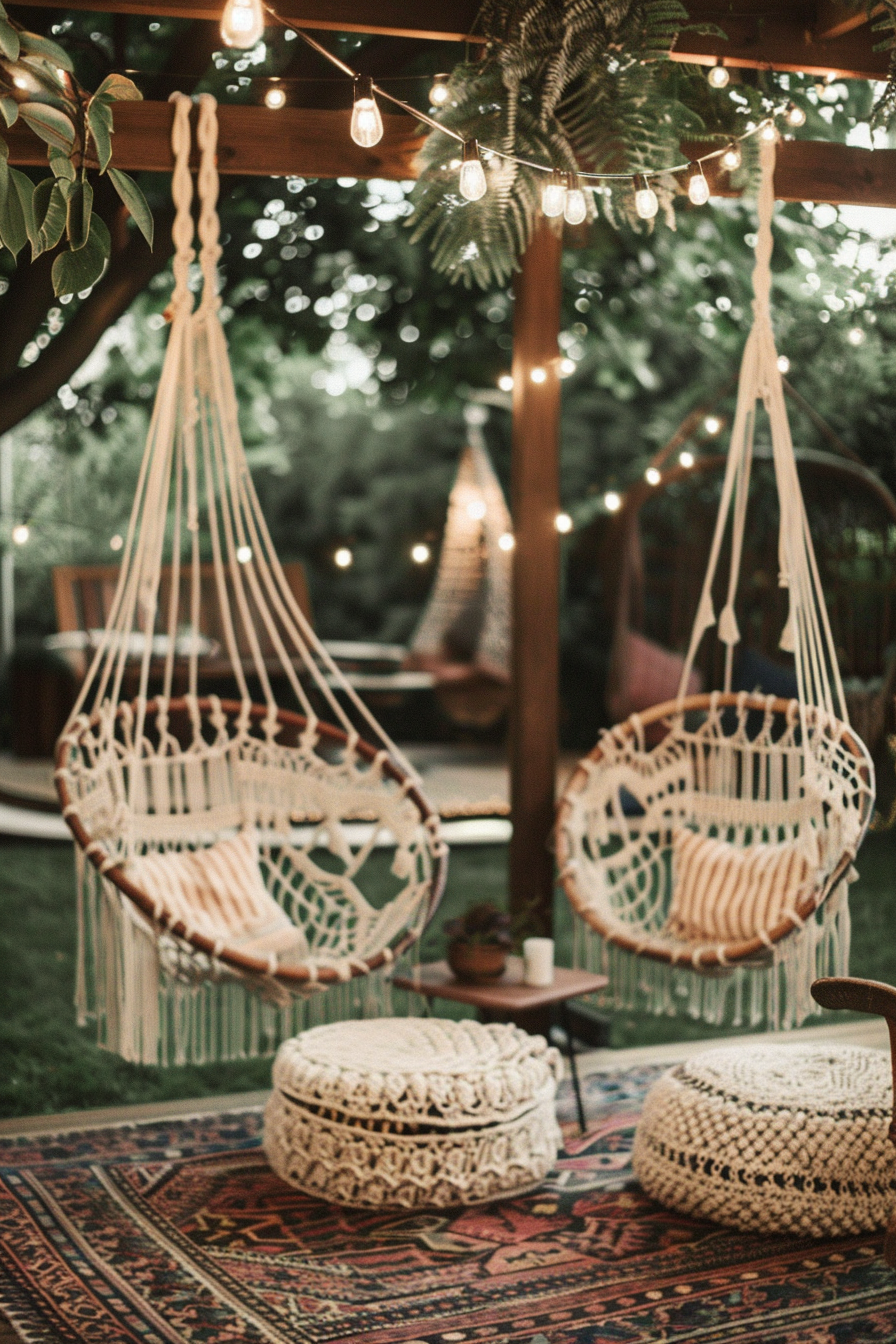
x,y
235,856
707,843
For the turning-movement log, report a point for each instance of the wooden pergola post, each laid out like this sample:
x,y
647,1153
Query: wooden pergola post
x,y
536,577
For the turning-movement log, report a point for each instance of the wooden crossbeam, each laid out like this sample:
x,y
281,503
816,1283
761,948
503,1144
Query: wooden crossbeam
x,y
821,38
253,141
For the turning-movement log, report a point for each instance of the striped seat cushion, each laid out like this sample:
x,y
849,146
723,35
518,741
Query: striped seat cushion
x,y
726,893
219,892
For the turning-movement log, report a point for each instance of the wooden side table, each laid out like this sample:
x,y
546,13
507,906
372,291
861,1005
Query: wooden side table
x,y
509,998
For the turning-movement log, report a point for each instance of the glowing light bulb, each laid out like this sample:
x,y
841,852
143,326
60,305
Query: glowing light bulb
x,y
116,542
242,23
476,510
686,459
439,94
731,159
367,124
539,375
698,187
783,364
768,131
506,541
646,202
473,185
243,554
652,476
795,116
505,382
712,424
20,533
575,210
567,367
343,557
563,523
420,553
553,198
718,77
612,501
855,336
275,97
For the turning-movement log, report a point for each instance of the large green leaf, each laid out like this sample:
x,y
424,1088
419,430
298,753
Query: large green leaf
x,y
10,110
135,201
24,188
80,208
99,121
34,44
50,124
9,39
119,89
49,214
62,166
77,271
13,233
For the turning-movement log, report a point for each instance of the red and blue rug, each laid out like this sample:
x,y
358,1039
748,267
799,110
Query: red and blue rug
x,y
180,1234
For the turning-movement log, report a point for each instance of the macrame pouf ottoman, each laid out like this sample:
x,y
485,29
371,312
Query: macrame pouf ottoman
x,y
414,1112
781,1138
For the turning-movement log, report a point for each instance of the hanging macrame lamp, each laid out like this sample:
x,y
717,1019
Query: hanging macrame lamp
x,y
463,636
226,847
710,870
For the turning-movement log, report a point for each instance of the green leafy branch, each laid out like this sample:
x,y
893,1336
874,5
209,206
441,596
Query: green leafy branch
x,y
38,87
576,84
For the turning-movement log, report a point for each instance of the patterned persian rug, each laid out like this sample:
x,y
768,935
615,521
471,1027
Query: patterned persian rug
x,y
179,1234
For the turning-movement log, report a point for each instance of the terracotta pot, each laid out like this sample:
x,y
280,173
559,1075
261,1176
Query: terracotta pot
x,y
477,963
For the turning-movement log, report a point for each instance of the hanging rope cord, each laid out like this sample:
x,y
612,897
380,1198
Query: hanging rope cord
x,y
807,632
194,439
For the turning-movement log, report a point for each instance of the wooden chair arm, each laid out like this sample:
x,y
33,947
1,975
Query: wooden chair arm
x,y
866,996
856,996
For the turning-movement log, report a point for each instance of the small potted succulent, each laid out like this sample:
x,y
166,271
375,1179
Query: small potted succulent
x,y
478,943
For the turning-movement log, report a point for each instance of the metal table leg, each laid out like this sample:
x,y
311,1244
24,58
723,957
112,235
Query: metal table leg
x,y
573,1067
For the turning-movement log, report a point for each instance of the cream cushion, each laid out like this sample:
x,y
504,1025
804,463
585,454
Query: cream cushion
x,y
726,893
219,892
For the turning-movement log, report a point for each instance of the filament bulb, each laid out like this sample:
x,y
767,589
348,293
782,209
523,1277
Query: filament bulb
x,y
472,174
646,202
575,210
242,23
795,116
367,123
553,198
731,159
439,94
698,187
718,76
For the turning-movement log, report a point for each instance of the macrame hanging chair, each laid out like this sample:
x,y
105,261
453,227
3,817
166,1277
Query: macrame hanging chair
x,y
710,868
652,556
463,636
225,846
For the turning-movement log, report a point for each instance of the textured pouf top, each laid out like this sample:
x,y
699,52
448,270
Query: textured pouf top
x,y
413,1111
781,1138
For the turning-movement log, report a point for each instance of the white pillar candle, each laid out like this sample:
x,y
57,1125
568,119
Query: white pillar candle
x,y
538,958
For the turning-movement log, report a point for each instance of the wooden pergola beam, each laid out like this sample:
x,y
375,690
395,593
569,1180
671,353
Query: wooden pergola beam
x,y
306,142
818,38
252,141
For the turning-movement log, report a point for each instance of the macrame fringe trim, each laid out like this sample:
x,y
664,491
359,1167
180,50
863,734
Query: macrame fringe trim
x,y
154,1003
774,994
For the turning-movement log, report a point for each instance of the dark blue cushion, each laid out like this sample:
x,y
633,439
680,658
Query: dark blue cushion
x,y
753,671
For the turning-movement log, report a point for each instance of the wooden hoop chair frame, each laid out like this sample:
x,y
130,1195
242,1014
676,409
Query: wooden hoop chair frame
x,y
718,956
291,977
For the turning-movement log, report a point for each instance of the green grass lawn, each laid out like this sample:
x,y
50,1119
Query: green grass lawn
x,y
47,1064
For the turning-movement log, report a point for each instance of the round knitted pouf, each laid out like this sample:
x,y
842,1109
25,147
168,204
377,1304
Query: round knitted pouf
x,y
781,1138
414,1112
